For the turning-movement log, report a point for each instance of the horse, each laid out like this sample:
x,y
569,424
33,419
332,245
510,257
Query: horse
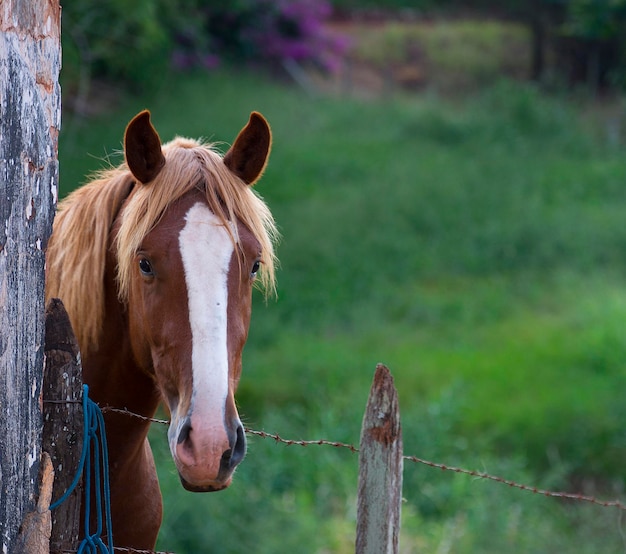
x,y
155,261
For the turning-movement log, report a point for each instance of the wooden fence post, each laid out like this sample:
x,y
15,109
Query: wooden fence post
x,y
380,469
63,423
30,113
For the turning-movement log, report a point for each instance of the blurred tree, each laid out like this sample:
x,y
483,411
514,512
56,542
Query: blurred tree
x,y
540,16
134,42
593,37
586,36
114,39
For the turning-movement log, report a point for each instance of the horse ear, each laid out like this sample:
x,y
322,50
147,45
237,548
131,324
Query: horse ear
x,y
248,155
142,148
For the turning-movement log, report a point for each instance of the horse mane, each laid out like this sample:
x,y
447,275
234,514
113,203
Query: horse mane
x,y
76,253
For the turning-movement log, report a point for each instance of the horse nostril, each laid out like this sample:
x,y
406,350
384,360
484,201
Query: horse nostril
x,y
233,456
185,430
239,450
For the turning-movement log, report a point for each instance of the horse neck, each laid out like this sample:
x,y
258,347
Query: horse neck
x,y
116,381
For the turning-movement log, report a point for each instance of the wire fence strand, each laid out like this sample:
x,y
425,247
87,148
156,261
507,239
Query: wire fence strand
x,y
121,549
577,497
553,494
290,442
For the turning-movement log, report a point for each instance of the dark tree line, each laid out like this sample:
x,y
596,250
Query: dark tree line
x,y
581,41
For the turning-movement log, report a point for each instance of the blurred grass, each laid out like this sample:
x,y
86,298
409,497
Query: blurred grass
x,y
477,248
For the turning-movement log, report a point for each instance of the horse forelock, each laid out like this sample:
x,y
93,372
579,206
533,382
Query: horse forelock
x,y
77,250
192,165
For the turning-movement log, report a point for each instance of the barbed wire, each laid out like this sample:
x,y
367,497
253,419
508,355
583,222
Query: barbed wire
x,y
122,549
578,497
290,442
127,412
444,467
135,551
553,494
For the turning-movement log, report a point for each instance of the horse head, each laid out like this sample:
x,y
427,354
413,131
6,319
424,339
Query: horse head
x,y
189,285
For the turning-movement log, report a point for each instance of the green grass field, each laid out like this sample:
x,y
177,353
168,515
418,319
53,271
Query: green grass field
x,y
475,247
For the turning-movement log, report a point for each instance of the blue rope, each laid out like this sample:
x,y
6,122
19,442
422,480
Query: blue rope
x,y
93,422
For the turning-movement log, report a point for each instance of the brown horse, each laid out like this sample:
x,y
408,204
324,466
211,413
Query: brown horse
x,y
155,262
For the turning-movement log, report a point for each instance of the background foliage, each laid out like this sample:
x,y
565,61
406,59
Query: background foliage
x,y
583,37
476,248
190,33
474,243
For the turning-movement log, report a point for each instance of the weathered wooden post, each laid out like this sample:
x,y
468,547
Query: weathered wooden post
x,y
30,111
63,423
380,469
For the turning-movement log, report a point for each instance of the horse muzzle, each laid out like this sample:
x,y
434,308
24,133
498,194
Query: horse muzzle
x,y
206,456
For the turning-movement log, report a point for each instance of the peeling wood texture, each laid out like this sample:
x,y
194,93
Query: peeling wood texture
x,y
380,469
30,111
63,422
34,537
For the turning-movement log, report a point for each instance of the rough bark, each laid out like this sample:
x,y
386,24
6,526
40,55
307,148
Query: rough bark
x,y
30,57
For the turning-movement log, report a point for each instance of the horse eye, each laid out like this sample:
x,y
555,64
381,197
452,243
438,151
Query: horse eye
x,y
255,269
145,267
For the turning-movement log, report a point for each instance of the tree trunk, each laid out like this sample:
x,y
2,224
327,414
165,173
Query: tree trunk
x,y
538,50
30,59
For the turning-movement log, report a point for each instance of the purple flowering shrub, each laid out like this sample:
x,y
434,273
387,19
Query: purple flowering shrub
x,y
260,31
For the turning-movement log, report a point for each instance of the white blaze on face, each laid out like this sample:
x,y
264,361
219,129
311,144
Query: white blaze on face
x,y
206,249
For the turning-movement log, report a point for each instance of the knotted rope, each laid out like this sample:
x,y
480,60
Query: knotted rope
x,y
94,448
